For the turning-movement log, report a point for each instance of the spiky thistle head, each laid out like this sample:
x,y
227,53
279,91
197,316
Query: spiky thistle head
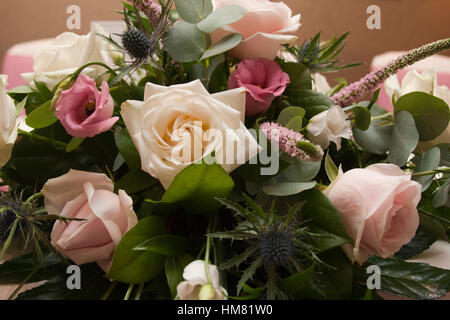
x,y
14,214
276,245
136,44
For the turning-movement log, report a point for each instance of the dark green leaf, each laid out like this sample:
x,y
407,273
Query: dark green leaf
x,y
127,149
296,282
174,267
412,280
288,188
166,244
421,242
362,117
138,267
135,181
197,186
330,168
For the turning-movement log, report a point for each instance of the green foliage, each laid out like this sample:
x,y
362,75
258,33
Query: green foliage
x,y
404,139
313,102
138,266
41,117
196,187
185,42
426,162
362,117
288,188
174,266
430,113
220,18
127,149
330,168
194,11
226,44
412,280
375,139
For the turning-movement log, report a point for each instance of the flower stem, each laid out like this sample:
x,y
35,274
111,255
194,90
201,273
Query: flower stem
x,y
208,250
139,292
110,289
128,294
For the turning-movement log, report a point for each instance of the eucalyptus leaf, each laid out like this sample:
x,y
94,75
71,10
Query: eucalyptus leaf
x,y
194,11
441,197
430,113
426,162
362,117
185,42
302,171
221,17
375,139
289,113
226,44
404,139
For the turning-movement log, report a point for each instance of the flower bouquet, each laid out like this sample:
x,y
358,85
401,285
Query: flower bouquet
x,y
201,154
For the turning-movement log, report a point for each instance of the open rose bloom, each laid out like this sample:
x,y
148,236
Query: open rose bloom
x,y
265,27
105,216
379,208
179,125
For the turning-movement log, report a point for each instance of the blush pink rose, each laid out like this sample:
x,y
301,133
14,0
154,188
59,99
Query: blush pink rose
x,y
107,216
264,81
84,111
266,26
379,208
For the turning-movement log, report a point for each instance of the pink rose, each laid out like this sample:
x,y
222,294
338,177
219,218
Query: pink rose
x,y
84,111
265,27
264,81
379,208
108,216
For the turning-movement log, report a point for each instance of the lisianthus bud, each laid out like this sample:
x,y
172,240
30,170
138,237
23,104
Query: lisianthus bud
x,y
207,292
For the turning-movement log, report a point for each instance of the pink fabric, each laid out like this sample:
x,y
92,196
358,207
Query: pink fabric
x,y
14,66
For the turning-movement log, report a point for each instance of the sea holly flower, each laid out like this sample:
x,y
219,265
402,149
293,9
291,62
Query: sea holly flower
x,y
84,111
196,285
263,79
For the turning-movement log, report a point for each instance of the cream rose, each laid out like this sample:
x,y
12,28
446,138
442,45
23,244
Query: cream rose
x,y
425,82
66,54
8,127
176,126
378,206
264,28
329,126
107,216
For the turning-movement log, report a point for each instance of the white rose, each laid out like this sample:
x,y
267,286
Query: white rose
x,y
425,82
176,126
266,26
8,128
329,126
66,54
196,286
320,84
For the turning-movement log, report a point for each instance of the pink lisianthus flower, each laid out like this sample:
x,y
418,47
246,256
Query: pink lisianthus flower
x,y
264,81
84,111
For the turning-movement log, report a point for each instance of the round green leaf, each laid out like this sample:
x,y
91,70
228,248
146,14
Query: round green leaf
x,y
362,117
430,113
224,45
221,17
185,42
41,117
427,162
290,113
193,11
404,139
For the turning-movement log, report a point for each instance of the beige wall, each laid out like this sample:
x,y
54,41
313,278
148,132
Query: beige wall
x,y
405,23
